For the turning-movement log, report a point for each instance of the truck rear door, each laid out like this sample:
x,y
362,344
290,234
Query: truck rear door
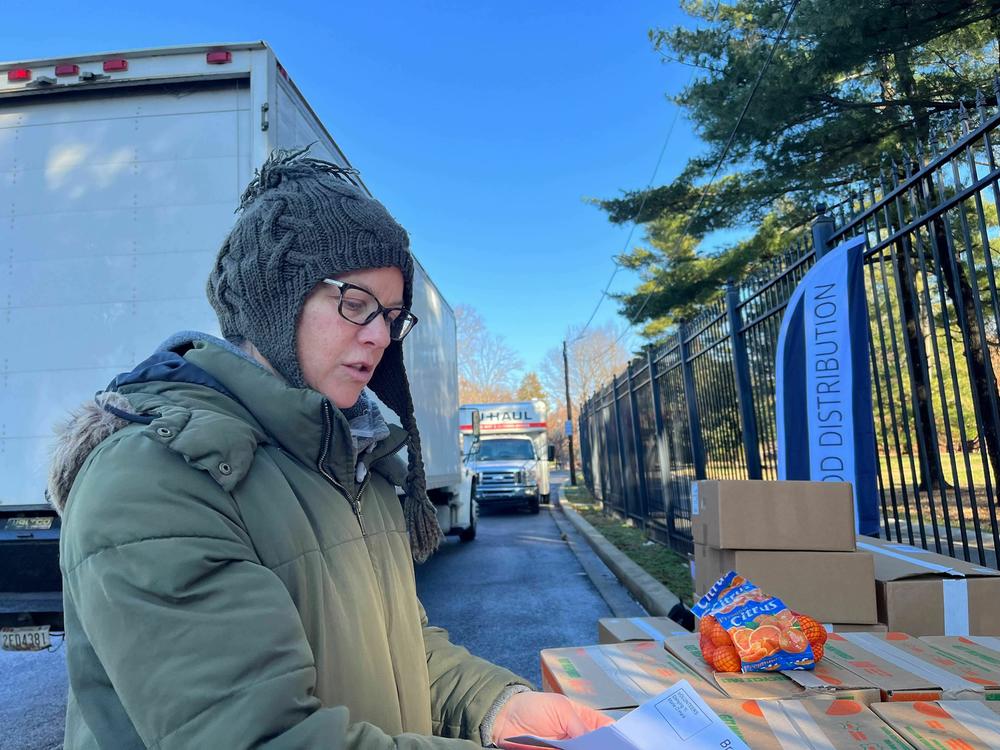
x,y
115,202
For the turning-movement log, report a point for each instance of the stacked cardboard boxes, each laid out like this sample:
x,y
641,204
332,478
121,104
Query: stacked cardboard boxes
x,y
800,724
936,691
796,540
981,652
923,593
908,669
964,725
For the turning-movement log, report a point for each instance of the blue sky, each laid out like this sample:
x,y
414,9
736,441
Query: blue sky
x,y
482,126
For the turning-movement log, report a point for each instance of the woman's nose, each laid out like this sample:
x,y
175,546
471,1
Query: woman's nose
x,y
376,332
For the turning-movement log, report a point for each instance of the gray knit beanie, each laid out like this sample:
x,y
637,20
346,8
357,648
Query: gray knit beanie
x,y
303,220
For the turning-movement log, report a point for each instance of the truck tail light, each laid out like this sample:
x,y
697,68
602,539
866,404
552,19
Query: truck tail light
x,y
219,57
18,74
111,66
67,70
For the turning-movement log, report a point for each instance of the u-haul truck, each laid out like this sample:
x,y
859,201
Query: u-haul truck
x,y
119,176
509,453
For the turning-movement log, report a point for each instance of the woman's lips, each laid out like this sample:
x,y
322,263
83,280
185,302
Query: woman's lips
x,y
358,372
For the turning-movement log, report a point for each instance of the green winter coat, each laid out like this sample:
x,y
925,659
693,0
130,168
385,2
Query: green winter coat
x,y
220,591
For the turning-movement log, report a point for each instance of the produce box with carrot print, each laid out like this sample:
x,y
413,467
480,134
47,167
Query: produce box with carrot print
x,y
616,676
809,723
949,725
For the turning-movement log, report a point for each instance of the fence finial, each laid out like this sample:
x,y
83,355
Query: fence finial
x,y
963,117
981,105
932,141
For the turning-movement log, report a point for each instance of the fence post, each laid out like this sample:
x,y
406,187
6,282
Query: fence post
x,y
581,421
694,422
662,443
822,231
621,443
640,458
744,393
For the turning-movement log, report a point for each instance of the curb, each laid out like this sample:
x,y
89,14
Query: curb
x,y
650,593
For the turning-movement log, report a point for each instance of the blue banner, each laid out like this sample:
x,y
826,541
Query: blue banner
x,y
823,382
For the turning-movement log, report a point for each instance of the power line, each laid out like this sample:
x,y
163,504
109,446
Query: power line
x,y
635,222
725,152
645,196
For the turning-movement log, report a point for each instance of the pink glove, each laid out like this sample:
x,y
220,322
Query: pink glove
x,y
547,715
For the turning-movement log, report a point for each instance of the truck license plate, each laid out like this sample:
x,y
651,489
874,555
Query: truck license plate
x,y
28,523
25,639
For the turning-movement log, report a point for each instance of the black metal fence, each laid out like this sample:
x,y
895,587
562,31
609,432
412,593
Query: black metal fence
x,y
703,404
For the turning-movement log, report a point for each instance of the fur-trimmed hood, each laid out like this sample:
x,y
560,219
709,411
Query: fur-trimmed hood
x,y
85,429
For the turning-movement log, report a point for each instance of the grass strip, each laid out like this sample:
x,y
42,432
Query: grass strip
x,y
665,565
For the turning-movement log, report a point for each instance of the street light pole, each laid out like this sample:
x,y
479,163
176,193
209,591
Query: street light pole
x,y
569,419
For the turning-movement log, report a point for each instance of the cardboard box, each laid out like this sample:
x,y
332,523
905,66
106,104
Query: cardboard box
x,y
899,672
754,685
924,593
811,723
753,514
853,627
624,629
981,679
980,652
830,680
828,586
964,725
622,675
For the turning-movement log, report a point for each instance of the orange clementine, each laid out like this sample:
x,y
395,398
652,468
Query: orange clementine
x,y
815,632
720,637
726,659
817,651
708,651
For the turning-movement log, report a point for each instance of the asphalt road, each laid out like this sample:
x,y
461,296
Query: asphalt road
x,y
516,589
32,700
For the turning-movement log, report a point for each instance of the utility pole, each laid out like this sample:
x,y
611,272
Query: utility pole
x,y
569,419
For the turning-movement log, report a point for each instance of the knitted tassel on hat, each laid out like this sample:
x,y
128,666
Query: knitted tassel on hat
x,y
421,516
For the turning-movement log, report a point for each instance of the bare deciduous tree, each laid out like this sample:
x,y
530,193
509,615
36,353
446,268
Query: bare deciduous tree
x,y
487,366
594,358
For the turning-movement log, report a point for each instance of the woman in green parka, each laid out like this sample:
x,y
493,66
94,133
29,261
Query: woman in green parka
x,y
237,565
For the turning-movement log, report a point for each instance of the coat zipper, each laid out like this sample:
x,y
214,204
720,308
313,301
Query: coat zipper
x,y
354,501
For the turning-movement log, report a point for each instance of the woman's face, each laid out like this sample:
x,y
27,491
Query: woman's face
x,y
337,357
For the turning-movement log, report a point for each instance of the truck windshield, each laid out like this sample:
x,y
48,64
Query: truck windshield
x,y
505,450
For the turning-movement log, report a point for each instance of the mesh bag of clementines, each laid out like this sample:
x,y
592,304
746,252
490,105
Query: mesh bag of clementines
x,y
743,629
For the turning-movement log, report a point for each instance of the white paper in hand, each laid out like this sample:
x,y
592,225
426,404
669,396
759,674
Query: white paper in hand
x,y
676,718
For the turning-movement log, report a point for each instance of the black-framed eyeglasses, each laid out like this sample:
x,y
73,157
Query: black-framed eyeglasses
x,y
361,307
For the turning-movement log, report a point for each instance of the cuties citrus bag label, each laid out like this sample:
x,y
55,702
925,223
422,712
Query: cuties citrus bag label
x,y
744,629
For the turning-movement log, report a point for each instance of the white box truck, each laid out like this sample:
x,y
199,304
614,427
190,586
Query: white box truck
x,y
119,177
507,449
